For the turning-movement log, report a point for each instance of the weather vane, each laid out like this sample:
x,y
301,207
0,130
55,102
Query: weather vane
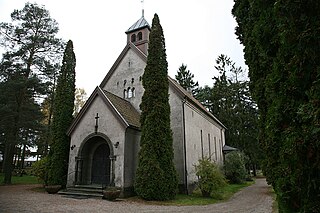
x,y
142,4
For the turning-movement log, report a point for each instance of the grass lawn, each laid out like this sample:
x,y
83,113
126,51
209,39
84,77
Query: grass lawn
x,y
25,179
196,198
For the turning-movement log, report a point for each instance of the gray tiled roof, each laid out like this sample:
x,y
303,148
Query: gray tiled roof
x,y
141,23
125,108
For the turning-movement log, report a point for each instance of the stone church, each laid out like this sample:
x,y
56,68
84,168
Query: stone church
x,y
105,135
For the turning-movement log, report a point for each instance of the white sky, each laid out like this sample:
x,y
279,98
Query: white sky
x,y
196,32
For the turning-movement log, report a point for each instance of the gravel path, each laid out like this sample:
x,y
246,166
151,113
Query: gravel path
x,y
255,198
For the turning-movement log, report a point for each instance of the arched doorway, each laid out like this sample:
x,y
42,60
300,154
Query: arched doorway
x,y
100,169
94,164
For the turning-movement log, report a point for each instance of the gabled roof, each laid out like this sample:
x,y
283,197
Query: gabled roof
x,y
141,23
119,59
192,99
123,109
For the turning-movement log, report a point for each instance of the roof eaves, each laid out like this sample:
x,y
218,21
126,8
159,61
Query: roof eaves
x,y
188,96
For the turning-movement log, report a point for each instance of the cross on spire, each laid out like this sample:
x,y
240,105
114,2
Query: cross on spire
x,y
142,4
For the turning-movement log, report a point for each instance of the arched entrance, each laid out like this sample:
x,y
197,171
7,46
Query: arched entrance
x,y
94,164
100,172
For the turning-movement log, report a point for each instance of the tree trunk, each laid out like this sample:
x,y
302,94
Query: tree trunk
x,y
22,158
254,170
7,163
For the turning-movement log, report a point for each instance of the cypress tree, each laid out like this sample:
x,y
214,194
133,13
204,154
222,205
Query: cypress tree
x,y
62,118
281,40
156,177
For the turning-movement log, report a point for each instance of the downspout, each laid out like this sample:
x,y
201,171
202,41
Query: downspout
x,y
223,157
184,147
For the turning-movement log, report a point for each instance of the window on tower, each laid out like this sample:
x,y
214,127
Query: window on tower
x,y
129,92
133,38
124,93
139,36
133,92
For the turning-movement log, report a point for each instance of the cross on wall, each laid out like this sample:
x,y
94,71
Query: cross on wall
x,y
96,126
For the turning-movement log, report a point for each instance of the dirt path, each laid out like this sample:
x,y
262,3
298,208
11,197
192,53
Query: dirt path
x,y
255,199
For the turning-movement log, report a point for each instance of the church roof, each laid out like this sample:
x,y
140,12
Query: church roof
x,y
141,23
187,95
125,108
176,85
227,148
122,108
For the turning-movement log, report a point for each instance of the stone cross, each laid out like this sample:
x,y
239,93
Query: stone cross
x,y
96,126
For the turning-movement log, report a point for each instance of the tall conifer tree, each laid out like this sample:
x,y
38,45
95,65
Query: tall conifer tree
x,y
62,118
31,44
281,40
185,79
156,177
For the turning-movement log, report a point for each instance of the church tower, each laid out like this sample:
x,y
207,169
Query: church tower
x,y
138,34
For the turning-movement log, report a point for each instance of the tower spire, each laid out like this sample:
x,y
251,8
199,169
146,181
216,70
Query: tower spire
x,y
142,4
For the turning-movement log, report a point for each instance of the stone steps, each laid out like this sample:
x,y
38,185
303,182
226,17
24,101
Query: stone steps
x,y
83,191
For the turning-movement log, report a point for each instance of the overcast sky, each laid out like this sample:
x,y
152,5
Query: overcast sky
x,y
196,32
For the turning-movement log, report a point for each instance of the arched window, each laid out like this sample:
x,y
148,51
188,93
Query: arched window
x,y
139,36
129,92
133,38
124,93
133,92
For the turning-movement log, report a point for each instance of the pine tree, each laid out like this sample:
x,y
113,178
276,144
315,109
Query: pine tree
x,y
32,44
156,177
185,79
62,118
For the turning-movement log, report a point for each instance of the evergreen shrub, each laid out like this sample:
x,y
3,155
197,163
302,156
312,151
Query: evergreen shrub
x,y
39,169
211,179
234,167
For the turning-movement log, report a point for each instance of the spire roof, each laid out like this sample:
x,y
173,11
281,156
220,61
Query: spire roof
x,y
141,23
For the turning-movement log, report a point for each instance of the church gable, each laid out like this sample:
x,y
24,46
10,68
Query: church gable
x,y
125,77
101,101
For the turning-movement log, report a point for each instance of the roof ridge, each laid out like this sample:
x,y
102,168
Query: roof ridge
x,y
141,23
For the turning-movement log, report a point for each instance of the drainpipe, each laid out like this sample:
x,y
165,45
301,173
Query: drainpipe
x,y
184,147
223,157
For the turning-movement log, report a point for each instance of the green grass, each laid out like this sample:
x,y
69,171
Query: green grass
x,y
25,179
196,198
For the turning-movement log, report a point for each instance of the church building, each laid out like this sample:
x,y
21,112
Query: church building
x,y
105,135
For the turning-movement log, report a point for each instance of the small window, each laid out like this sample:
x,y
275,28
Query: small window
x,y
124,93
124,82
133,92
133,38
132,80
140,78
129,92
139,36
